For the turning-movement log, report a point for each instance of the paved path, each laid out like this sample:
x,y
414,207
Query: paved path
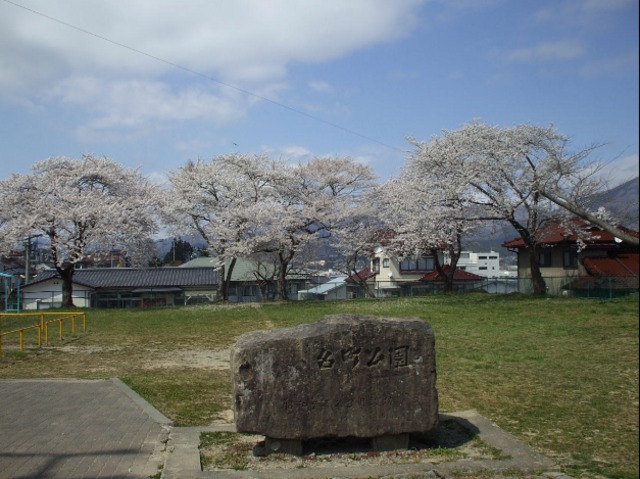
x,y
78,429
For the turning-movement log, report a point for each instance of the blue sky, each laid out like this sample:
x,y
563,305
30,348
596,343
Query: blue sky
x,y
154,84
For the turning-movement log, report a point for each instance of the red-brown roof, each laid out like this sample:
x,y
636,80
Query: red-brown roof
x,y
555,232
458,275
621,266
360,276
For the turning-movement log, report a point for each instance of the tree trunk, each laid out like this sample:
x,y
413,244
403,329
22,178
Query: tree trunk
x,y
447,276
537,281
224,284
284,260
282,283
66,274
352,271
454,255
226,273
364,284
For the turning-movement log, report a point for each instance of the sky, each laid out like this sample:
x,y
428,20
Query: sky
x,y
154,84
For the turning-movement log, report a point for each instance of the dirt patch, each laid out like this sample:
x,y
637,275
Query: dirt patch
x,y
93,349
216,359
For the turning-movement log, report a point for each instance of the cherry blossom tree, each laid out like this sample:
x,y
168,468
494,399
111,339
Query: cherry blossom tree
x,y
427,213
312,200
355,241
503,171
222,200
578,186
90,204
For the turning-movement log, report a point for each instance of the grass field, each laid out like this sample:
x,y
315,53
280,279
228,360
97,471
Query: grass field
x,y
561,374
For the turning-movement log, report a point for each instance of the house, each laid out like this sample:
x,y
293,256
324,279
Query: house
x,y
570,262
255,280
124,288
388,276
462,280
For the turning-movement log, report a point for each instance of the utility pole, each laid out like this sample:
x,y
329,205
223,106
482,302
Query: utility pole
x,y
27,257
27,260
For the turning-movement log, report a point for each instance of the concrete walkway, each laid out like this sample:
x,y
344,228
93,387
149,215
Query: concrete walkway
x,y
78,429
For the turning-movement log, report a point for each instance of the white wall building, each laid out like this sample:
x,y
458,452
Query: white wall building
x,y
482,264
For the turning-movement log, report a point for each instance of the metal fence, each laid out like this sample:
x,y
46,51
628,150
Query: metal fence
x,y
604,287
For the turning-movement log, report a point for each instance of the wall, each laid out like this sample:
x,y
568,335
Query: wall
x,y
48,294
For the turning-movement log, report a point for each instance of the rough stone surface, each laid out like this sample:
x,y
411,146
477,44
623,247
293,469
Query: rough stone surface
x,y
347,375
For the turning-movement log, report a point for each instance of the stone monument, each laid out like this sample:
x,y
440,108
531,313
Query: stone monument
x,y
344,376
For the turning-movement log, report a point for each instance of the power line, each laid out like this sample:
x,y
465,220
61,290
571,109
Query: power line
x,y
202,75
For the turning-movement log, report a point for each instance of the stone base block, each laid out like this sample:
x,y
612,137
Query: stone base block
x,y
390,443
282,446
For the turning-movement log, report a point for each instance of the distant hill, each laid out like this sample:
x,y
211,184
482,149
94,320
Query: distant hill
x,y
622,201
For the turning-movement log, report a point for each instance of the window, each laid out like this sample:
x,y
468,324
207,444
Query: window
x,y
570,258
385,263
493,257
482,257
250,290
421,264
375,265
544,259
482,268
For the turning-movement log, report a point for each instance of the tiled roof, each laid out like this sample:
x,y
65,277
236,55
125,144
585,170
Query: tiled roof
x,y
360,276
622,265
458,275
138,278
555,232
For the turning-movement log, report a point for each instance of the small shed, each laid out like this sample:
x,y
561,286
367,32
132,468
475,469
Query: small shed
x,y
336,288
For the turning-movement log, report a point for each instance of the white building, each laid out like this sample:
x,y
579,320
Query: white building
x,y
482,264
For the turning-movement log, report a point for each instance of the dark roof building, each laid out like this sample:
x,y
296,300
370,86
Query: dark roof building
x,y
138,278
125,287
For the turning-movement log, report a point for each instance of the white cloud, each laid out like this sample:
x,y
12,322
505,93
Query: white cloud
x,y
243,40
321,86
547,51
89,54
615,64
192,145
291,153
136,103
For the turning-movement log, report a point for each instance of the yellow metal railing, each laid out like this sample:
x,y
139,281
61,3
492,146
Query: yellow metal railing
x,y
21,335
43,326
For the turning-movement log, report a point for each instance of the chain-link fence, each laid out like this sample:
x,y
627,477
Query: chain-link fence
x,y
604,287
